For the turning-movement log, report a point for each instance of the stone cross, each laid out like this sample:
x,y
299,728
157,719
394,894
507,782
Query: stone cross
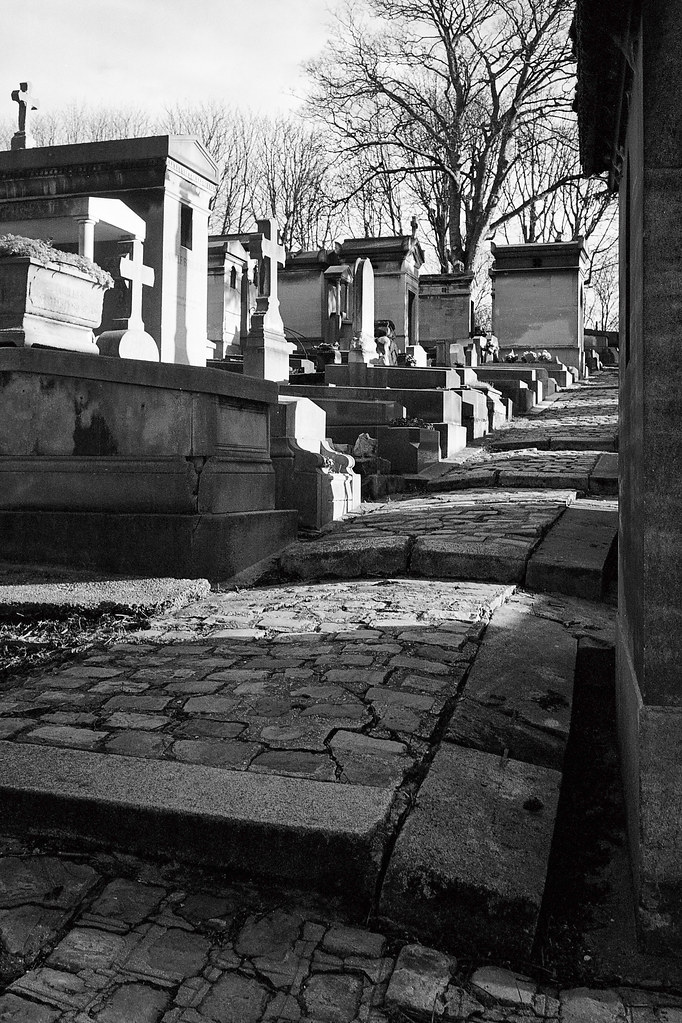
x,y
270,256
139,275
23,139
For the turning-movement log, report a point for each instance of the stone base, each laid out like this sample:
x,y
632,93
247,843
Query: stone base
x,y
651,766
40,332
128,344
408,448
266,354
214,547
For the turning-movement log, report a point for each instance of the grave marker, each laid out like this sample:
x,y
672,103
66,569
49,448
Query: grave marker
x,y
267,350
22,139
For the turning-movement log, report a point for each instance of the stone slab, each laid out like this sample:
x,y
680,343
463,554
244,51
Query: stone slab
x,y
346,557
468,869
495,560
263,825
574,557
604,476
146,595
215,547
528,722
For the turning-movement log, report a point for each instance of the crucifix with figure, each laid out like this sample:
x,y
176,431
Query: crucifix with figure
x,y
22,139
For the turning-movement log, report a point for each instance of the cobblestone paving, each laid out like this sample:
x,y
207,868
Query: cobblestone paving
x,y
342,683
112,939
484,534
586,415
527,468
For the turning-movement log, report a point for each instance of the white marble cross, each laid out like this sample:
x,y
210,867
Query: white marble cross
x,y
27,104
139,275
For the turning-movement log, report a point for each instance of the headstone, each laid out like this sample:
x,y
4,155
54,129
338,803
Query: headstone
x,y
267,350
130,340
363,346
22,139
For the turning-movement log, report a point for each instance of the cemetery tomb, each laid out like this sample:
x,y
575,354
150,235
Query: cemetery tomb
x,y
166,180
440,407
538,299
445,311
112,235
396,262
229,295
127,466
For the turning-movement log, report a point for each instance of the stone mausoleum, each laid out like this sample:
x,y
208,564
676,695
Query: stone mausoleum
x,y
538,299
629,83
168,181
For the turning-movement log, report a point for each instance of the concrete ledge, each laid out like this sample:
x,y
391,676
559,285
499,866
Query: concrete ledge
x,y
531,721
468,869
495,560
575,555
346,557
214,547
286,829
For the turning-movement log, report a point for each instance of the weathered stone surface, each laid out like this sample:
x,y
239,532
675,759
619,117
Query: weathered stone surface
x,y
419,981
333,998
504,986
581,1005
45,881
451,886
346,556
85,948
530,721
574,555
169,954
134,1001
236,999
268,935
127,902
494,560
353,941
27,930
19,1010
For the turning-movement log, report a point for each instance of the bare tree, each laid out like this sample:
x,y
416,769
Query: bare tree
x,y
541,211
231,138
444,87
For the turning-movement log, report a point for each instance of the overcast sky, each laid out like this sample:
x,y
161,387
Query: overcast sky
x,y
153,52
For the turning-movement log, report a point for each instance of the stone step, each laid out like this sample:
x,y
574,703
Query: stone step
x,y
604,476
577,555
296,830
483,535
469,865
529,722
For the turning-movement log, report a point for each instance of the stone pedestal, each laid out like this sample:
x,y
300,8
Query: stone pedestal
x,y
266,355
310,475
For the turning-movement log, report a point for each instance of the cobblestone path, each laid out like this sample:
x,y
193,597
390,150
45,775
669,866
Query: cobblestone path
x,y
111,939
348,682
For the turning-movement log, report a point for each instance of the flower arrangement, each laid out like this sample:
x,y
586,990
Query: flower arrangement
x,y
45,253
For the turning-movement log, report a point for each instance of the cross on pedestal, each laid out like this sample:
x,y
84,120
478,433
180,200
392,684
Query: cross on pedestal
x,y
22,139
139,275
270,254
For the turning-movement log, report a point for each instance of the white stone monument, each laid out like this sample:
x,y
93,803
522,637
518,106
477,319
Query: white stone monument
x,y
266,354
363,346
